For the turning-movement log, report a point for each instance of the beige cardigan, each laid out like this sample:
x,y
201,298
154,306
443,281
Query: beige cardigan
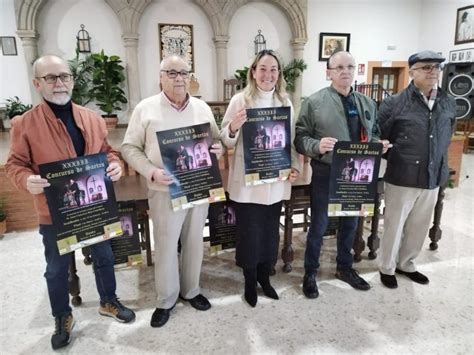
x,y
265,194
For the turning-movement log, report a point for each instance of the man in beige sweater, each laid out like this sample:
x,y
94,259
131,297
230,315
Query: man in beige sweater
x,y
172,108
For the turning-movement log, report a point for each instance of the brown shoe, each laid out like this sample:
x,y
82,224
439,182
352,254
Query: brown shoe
x,y
62,333
117,310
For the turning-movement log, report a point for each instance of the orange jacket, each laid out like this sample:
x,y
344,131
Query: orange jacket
x,y
38,137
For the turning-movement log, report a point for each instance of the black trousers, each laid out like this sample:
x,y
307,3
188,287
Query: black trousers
x,y
258,234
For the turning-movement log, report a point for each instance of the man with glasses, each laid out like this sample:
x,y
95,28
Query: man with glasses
x,y
335,113
419,121
172,108
54,130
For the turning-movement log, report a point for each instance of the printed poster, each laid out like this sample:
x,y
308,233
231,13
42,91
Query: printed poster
x,y
267,145
126,248
222,226
354,178
81,201
186,156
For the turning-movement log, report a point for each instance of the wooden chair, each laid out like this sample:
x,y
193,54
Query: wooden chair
x,y
231,86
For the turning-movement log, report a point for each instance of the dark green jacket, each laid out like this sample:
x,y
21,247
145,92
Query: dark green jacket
x,y
322,115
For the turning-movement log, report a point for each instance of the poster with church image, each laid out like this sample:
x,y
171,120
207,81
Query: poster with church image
x,y
222,226
267,145
186,156
126,248
354,177
81,201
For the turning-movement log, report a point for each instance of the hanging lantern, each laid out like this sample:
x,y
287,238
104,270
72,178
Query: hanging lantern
x,y
260,43
83,41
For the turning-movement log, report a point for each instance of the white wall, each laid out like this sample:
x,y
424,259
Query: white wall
x,y
437,30
410,25
243,28
373,25
58,24
61,20
14,79
179,12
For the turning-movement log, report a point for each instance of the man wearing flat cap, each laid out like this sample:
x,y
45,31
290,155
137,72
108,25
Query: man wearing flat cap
x,y
419,122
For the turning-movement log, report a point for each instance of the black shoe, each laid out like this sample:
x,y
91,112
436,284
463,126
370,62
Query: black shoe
x,y
117,310
62,333
263,278
199,302
352,278
160,317
415,276
389,281
310,288
250,293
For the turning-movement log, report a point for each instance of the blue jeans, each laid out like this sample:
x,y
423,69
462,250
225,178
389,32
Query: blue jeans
x,y
319,222
57,271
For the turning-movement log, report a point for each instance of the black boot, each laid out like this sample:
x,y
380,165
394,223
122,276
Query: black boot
x,y
310,288
263,278
250,286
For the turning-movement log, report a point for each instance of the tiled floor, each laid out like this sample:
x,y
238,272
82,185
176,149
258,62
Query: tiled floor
x,y
413,319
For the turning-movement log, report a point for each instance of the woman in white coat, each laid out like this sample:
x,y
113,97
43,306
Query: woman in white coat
x,y
257,207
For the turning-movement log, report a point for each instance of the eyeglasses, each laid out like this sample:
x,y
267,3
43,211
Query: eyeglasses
x,y
172,74
429,68
341,68
51,79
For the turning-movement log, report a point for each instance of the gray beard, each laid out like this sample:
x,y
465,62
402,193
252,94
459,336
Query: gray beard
x,y
63,101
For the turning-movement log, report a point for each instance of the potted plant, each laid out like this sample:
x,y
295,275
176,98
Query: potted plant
x,y
292,71
107,81
15,107
81,70
241,75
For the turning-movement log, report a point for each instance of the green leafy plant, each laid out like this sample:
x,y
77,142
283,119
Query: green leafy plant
x,y
291,72
241,75
107,81
81,69
15,107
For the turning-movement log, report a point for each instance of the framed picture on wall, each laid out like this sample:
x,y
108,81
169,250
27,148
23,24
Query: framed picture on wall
x,y
8,45
462,55
464,25
330,43
177,39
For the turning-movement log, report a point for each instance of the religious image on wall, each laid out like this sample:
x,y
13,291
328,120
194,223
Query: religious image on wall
x,y
126,248
195,170
177,39
81,201
354,178
222,226
267,145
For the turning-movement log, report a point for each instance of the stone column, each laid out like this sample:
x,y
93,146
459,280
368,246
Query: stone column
x,y
298,53
130,41
221,63
29,40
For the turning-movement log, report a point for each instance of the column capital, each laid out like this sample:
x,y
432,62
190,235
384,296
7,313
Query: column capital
x,y
130,39
24,34
298,43
221,41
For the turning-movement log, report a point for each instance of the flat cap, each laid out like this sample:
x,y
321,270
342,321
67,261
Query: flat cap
x,y
425,56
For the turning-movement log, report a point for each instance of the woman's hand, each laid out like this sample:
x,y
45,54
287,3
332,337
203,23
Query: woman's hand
x,y
237,122
217,149
114,171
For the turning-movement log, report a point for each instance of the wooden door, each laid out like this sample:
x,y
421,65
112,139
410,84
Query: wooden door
x,y
387,78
